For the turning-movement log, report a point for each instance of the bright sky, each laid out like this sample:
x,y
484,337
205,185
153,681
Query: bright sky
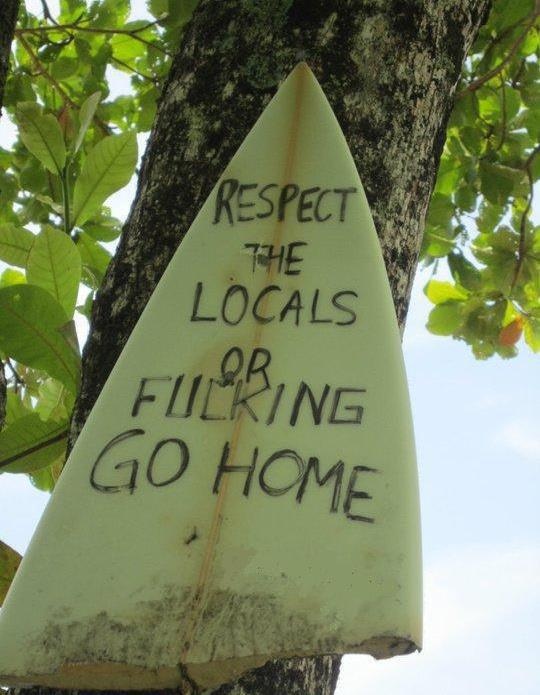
x,y
478,441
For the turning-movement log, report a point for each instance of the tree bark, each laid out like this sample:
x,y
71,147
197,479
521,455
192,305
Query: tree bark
x,y
389,69
9,10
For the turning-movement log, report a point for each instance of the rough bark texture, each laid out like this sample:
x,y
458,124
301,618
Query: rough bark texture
x,y
388,68
8,16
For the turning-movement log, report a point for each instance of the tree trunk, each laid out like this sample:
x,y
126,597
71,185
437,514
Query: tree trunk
x,y
8,16
388,67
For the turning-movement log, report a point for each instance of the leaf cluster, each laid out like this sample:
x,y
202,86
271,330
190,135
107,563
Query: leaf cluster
x,y
480,217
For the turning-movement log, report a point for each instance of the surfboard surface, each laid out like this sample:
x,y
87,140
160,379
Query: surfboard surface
x,y
245,487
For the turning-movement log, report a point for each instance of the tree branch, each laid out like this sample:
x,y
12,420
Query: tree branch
x,y
523,223
19,381
148,78
478,82
133,33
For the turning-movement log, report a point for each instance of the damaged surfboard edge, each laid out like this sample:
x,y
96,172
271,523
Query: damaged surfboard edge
x,y
189,677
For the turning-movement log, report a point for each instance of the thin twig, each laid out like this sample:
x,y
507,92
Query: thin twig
x,y
135,71
504,116
19,381
133,33
47,13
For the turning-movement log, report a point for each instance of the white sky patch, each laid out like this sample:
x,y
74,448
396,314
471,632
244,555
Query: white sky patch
x,y
522,438
482,606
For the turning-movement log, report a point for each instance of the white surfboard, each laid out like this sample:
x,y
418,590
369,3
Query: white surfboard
x,y
245,487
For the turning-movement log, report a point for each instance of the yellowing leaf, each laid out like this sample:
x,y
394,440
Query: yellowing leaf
x,y
42,136
107,168
54,263
10,276
511,333
439,292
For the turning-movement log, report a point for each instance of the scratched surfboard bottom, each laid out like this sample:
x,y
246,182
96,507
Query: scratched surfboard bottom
x,y
132,653
119,675
107,675
112,675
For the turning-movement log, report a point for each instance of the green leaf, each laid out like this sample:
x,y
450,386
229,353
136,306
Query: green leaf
x,y
64,67
95,260
31,323
107,168
490,217
86,114
441,210
489,105
110,12
158,7
46,478
439,292
18,88
498,181
125,47
438,242
33,178
103,232
55,403
15,244
54,263
449,176
86,308
530,44
531,332
15,408
466,197
464,272
506,14
30,444
445,319
42,136
147,109
9,563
